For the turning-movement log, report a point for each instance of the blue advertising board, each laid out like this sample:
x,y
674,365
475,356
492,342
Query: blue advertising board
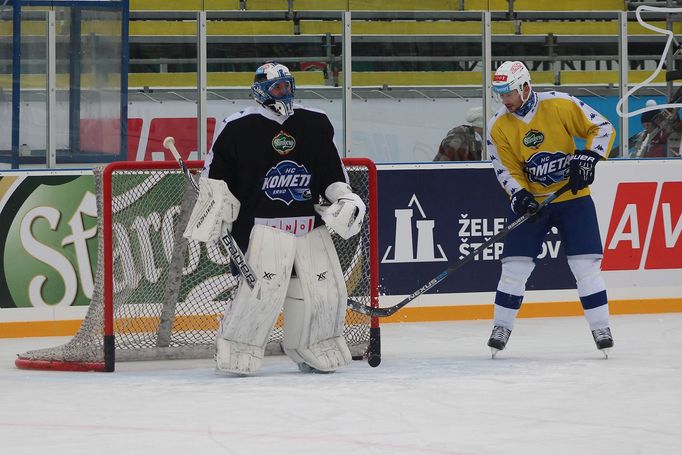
x,y
431,218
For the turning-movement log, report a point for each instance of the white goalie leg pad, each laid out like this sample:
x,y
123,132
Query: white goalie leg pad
x,y
315,307
252,314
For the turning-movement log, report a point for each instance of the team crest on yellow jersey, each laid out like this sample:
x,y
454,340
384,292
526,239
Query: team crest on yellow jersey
x,y
533,139
547,168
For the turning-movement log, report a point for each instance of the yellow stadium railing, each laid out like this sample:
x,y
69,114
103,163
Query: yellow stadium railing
x,y
184,5
606,77
572,5
213,28
430,78
589,27
401,27
215,79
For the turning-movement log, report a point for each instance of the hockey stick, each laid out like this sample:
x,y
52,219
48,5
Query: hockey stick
x,y
388,311
227,240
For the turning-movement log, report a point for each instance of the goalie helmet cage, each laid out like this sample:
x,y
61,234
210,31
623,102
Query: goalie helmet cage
x,y
158,296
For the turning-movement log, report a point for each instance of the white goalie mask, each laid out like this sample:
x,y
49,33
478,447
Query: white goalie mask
x,y
510,76
274,87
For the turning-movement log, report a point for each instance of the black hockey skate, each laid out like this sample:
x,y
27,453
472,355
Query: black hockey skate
x,y
603,340
498,339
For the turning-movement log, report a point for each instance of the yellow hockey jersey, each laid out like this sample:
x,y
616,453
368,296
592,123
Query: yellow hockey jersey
x,y
534,151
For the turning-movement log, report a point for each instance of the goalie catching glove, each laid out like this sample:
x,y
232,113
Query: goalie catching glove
x,y
347,211
215,210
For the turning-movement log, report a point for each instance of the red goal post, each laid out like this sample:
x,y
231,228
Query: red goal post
x,y
158,296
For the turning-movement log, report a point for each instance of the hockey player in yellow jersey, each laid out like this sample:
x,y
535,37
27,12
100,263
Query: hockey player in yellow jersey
x,y
531,144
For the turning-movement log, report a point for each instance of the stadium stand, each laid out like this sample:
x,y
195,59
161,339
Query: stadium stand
x,y
216,28
395,42
184,5
406,27
573,5
376,5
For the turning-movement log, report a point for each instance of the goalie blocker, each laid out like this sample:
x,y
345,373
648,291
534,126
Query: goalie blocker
x,y
214,212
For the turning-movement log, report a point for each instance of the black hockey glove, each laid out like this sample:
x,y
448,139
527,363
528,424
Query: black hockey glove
x,y
523,202
581,169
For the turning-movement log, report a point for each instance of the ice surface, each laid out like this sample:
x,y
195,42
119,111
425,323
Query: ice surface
x,y
437,391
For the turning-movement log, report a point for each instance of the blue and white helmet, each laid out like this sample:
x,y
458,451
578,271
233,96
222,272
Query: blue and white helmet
x,y
274,87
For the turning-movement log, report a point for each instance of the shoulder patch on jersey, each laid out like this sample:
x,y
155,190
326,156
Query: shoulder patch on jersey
x,y
283,143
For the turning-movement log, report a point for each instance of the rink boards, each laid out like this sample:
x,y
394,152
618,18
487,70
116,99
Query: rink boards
x,y
429,217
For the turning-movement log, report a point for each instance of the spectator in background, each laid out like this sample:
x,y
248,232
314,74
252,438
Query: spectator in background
x,y
653,140
464,142
675,136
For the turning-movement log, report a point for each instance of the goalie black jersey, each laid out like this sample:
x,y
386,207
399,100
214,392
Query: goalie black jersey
x,y
278,167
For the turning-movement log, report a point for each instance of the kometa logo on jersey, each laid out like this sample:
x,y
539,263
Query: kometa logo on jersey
x,y
287,181
547,168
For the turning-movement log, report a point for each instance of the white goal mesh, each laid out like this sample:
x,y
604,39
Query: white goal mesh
x,y
159,296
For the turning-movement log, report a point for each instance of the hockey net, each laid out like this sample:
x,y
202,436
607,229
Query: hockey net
x,y
159,296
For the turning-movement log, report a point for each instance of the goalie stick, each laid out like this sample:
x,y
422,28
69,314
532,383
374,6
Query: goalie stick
x,y
227,240
388,311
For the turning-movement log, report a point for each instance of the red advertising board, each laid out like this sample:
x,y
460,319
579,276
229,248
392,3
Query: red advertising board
x,y
645,227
